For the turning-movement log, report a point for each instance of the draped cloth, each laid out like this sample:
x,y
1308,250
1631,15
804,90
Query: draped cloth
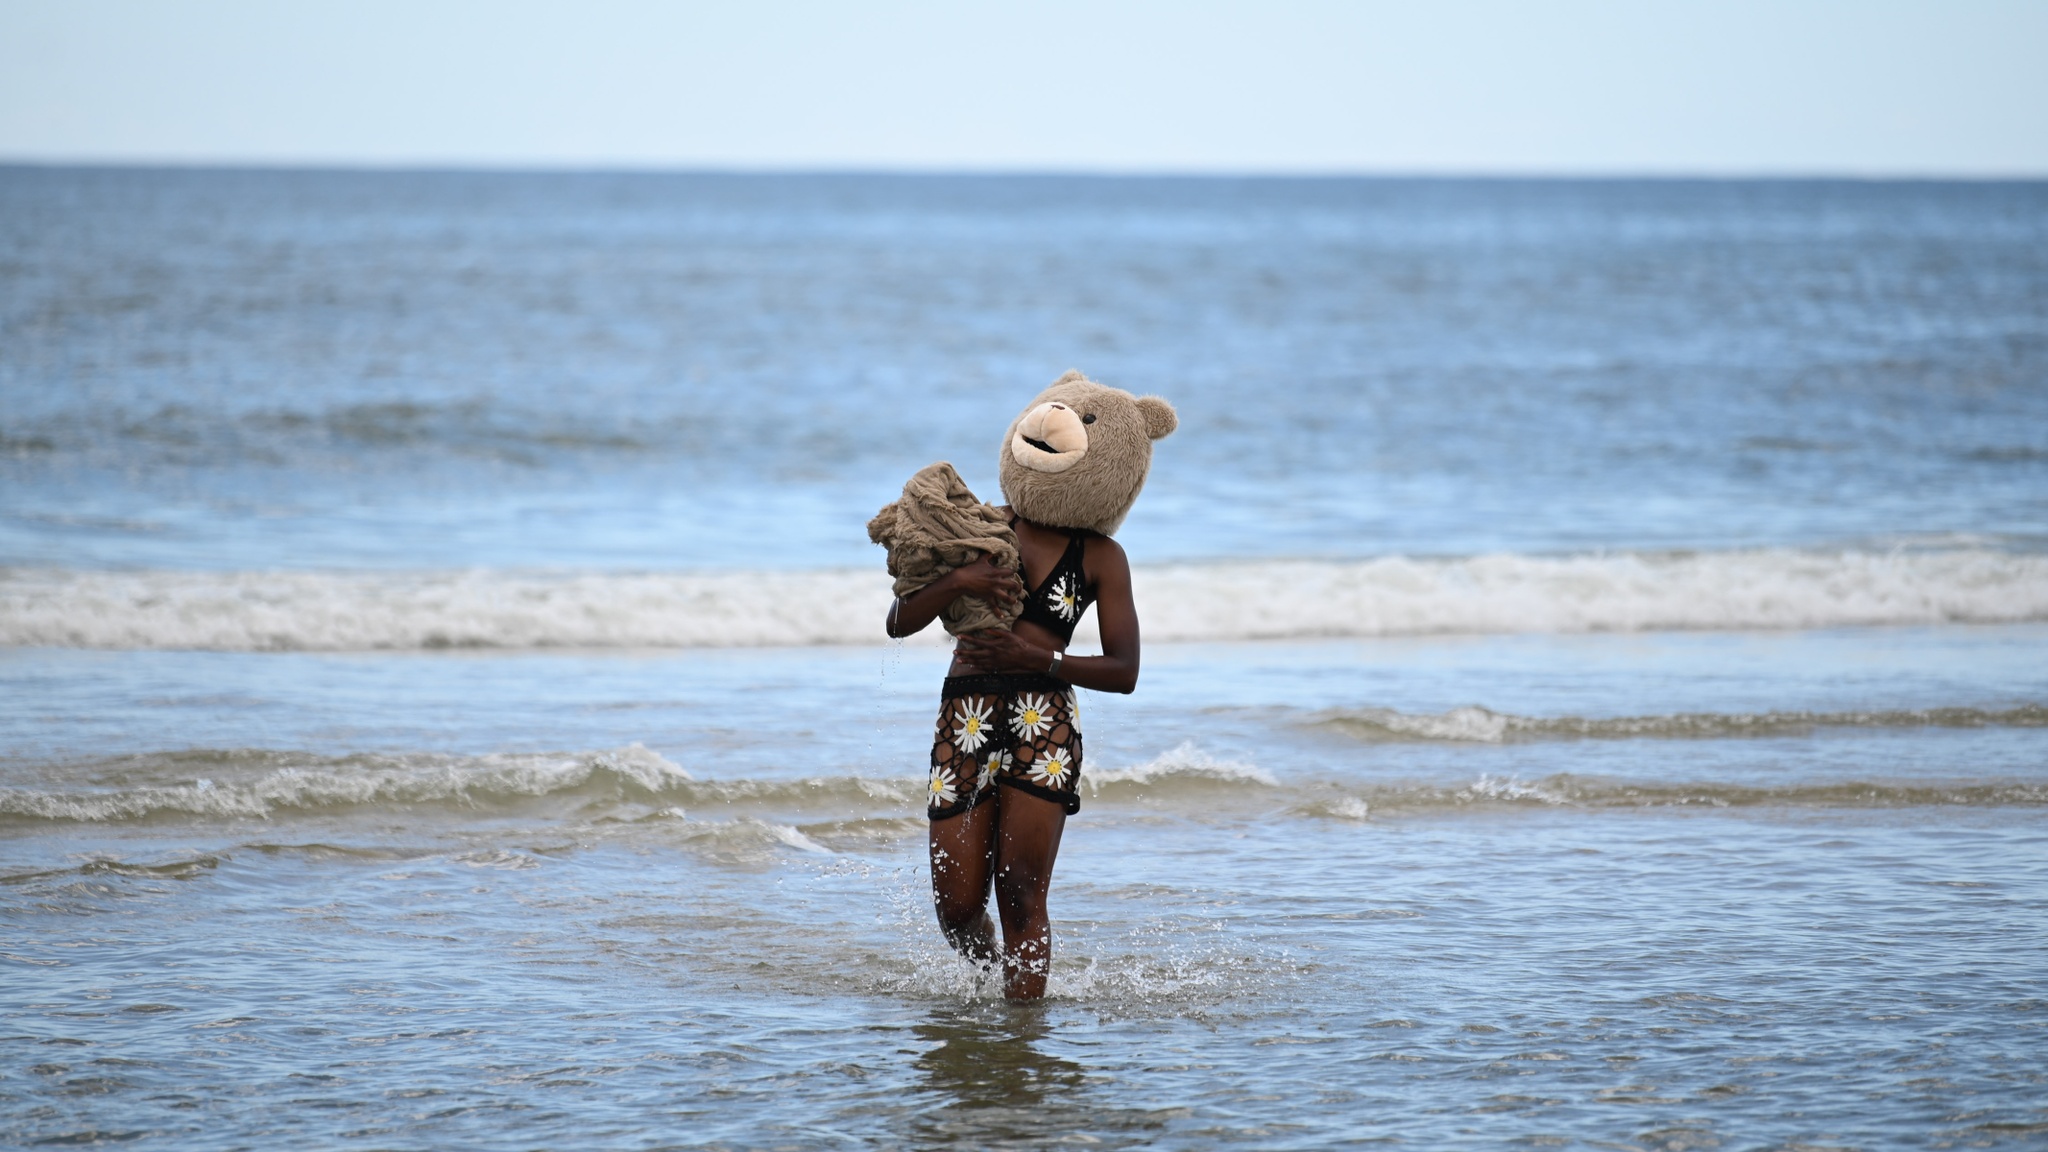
x,y
940,525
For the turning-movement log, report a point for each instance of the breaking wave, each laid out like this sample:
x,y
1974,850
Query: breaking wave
x,y
259,783
1474,724
1624,592
637,787
1583,792
1185,769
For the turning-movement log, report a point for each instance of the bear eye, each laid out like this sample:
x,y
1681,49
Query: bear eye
x,y
1088,419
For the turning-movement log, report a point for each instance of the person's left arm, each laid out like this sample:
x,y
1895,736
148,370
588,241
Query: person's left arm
x,y
1116,670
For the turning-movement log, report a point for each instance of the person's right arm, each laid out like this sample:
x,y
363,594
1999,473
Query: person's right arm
x,y
984,578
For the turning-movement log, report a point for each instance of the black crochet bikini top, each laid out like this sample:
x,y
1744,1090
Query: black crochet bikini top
x,y
1059,600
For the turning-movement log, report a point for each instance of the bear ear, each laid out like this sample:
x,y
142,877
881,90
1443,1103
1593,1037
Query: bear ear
x,y
1069,376
1160,419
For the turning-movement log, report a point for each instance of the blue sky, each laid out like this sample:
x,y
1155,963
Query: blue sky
x,y
1572,86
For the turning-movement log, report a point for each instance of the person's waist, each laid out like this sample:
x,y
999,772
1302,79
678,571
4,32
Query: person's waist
x,y
998,683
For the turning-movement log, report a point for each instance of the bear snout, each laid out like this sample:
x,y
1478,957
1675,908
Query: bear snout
x,y
1050,438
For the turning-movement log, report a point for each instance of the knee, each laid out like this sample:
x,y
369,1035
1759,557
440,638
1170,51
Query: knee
x,y
1021,890
959,911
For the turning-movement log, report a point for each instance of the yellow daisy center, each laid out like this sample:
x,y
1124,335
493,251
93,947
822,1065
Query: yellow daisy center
x,y
1031,716
973,725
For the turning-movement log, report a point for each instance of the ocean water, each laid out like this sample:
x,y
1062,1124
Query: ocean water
x,y
1594,692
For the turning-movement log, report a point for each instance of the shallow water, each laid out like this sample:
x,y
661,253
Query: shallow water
x,y
1593,693
1285,920
1646,978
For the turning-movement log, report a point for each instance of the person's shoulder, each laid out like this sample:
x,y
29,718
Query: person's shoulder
x,y
1104,550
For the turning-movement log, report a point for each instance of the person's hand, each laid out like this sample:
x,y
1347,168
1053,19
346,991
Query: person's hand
x,y
995,584
1001,650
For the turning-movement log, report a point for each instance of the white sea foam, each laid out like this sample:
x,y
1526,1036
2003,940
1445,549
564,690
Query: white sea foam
x,y
1476,725
1185,765
1269,599
257,783
759,818
330,611
1622,592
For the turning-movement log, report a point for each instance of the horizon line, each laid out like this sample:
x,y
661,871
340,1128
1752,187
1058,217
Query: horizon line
x,y
1617,174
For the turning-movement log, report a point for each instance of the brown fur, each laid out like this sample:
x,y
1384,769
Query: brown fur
x,y
1097,492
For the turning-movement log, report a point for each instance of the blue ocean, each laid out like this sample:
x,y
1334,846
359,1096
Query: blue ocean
x,y
1594,691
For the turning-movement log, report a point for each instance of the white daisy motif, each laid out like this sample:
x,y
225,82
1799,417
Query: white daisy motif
x,y
992,765
1073,707
941,791
973,730
1053,768
1030,716
1065,598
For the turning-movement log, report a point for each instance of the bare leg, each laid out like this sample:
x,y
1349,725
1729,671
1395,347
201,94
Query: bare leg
x,y
962,852
1027,841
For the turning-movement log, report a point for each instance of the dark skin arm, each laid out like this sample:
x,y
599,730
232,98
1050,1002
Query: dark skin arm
x,y
1030,648
984,578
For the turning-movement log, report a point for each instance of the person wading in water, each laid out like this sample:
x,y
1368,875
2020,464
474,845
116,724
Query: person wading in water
x,y
1006,756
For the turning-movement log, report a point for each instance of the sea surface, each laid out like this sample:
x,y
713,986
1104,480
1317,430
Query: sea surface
x,y
1596,690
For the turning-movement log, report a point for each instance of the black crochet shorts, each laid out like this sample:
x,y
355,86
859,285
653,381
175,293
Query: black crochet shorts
x,y
1016,729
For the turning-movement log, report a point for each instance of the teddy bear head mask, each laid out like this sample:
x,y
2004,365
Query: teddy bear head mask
x,y
1078,454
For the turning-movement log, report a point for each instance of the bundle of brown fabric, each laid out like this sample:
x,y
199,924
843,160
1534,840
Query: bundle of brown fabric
x,y
936,527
